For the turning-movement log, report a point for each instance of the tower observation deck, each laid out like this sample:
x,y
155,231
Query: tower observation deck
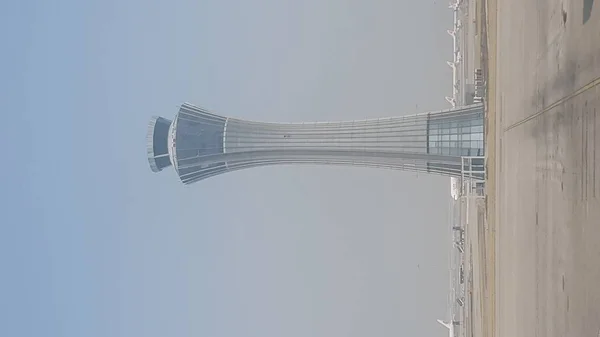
x,y
200,144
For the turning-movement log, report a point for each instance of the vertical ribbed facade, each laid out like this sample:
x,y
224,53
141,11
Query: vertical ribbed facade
x,y
202,144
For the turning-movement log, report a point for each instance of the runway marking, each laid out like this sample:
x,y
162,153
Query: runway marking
x,y
576,93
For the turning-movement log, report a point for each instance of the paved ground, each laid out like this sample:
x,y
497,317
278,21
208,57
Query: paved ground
x,y
544,59
474,255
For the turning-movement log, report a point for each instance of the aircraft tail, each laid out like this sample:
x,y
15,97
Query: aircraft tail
x,y
444,323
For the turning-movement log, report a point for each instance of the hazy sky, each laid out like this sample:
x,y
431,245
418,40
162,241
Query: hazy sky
x,y
93,243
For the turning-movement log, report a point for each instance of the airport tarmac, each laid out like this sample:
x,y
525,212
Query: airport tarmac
x,y
473,209
543,168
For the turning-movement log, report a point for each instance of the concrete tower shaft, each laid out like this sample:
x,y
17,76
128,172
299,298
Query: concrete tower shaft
x,y
201,144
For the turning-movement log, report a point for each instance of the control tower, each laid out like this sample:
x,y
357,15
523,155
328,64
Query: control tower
x,y
200,144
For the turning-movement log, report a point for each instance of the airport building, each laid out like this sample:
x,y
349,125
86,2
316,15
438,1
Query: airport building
x,y
200,144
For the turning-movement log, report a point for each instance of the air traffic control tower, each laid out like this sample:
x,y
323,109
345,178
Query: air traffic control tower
x,y
200,144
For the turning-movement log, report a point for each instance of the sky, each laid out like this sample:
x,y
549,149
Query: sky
x,y
92,243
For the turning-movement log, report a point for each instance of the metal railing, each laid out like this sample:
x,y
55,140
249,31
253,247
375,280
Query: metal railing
x,y
472,175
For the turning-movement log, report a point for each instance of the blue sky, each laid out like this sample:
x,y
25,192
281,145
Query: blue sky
x,y
94,244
